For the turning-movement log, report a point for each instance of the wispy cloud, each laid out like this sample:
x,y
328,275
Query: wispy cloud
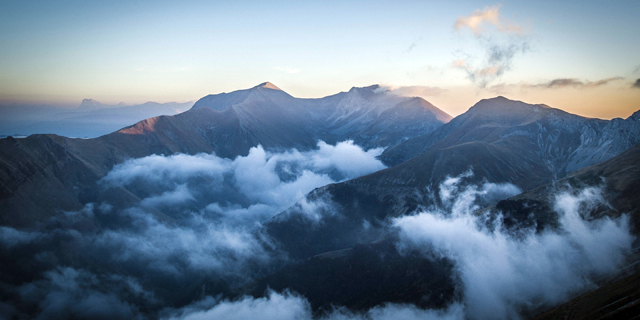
x,y
498,59
500,48
413,45
556,84
573,82
488,16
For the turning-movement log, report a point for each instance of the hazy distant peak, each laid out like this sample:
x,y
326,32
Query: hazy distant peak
x,y
268,85
90,104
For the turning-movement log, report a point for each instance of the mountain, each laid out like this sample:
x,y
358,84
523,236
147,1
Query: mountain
x,y
499,140
92,105
179,214
351,257
562,142
44,173
369,117
618,176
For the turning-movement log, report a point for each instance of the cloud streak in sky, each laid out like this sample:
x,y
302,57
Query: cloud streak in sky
x,y
477,20
560,83
572,82
499,50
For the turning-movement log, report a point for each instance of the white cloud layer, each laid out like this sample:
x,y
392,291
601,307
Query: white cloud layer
x,y
219,203
503,275
284,306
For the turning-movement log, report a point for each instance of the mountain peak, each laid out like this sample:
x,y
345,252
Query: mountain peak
x,y
90,104
88,101
368,88
268,85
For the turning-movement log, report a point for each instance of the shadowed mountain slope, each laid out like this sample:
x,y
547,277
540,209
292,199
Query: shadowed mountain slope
x,y
353,236
499,140
560,141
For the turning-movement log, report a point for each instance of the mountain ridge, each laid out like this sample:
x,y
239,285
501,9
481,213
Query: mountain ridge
x,y
263,116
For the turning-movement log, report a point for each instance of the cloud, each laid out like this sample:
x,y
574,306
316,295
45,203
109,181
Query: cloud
x,y
275,306
413,45
499,50
411,91
66,292
554,84
572,82
177,196
218,204
200,246
477,20
194,230
503,276
498,59
10,237
347,158
291,306
636,84
276,179
159,169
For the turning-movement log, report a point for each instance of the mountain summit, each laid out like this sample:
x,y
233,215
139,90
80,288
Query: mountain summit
x,y
268,85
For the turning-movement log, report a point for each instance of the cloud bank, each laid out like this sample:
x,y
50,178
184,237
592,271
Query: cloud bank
x,y
503,275
194,232
285,306
194,240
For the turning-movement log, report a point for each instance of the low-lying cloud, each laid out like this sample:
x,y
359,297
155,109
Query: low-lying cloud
x,y
503,275
193,241
195,231
283,306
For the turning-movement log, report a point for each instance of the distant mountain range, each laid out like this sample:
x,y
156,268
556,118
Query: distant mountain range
x,y
338,245
89,120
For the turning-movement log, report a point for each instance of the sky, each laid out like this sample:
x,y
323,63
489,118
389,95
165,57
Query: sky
x,y
579,56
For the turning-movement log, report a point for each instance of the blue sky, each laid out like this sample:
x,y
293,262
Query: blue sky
x,y
64,51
